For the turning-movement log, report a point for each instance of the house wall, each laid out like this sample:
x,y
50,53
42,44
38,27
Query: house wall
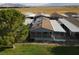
x,y
41,36
46,35
59,36
71,35
77,35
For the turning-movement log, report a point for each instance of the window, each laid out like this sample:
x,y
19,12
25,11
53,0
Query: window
x,y
45,34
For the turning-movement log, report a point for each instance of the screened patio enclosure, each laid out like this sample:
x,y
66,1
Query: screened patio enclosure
x,y
41,35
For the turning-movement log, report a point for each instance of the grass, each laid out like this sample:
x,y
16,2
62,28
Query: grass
x,y
32,49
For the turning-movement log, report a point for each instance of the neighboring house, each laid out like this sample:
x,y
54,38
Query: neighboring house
x,y
56,16
72,14
30,15
41,15
29,18
77,19
28,21
71,26
45,15
35,16
47,30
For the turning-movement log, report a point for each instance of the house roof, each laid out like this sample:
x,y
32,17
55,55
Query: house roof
x,y
56,26
71,14
56,15
64,15
46,15
44,23
42,15
74,21
72,27
30,14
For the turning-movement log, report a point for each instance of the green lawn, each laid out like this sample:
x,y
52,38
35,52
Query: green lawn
x,y
30,49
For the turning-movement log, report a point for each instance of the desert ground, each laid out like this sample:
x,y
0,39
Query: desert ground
x,y
48,10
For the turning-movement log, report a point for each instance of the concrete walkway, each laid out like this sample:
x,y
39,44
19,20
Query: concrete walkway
x,y
54,44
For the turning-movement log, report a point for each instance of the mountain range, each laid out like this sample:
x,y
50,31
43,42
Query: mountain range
x,y
37,4
11,5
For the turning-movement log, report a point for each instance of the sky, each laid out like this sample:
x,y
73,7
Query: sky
x,y
39,1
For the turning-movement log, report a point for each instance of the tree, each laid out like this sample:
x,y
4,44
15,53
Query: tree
x,y
21,35
11,26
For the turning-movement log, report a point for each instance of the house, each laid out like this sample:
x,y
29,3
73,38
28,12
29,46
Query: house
x,y
76,23
47,30
56,16
30,15
77,19
29,18
72,14
45,15
28,21
32,18
41,30
71,26
41,15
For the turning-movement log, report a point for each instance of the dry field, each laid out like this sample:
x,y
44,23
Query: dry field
x,y
49,10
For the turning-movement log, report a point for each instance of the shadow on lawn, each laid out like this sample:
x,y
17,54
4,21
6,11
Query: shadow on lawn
x,y
2,49
65,50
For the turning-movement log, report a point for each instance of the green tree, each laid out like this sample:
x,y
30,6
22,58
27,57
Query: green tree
x,y
21,35
11,27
